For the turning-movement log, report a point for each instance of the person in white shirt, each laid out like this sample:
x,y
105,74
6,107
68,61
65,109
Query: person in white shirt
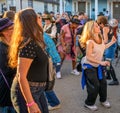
x,y
49,27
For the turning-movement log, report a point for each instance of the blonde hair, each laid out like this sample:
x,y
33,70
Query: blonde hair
x,y
87,34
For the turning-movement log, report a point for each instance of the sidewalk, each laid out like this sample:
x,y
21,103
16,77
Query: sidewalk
x,y
72,97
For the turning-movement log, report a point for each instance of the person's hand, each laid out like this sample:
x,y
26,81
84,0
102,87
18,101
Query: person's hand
x,y
34,109
105,30
105,63
113,39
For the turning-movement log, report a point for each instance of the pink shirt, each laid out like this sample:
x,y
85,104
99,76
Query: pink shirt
x,y
66,30
98,51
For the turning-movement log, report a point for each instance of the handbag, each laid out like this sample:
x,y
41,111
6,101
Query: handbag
x,y
68,48
51,75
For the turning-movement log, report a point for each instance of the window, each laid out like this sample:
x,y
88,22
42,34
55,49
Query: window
x,y
45,7
53,7
57,8
30,3
75,7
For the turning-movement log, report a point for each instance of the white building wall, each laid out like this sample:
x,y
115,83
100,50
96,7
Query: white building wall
x,y
55,9
38,6
11,2
24,4
17,4
50,7
1,2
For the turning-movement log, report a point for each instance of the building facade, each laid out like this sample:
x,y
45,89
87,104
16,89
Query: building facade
x,y
91,7
38,5
95,7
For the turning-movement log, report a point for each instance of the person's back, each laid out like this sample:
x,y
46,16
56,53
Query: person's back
x,y
52,51
6,73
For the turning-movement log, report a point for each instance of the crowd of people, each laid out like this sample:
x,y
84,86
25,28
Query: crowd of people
x,y
25,48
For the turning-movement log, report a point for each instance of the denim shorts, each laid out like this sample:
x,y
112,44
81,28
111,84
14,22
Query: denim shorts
x,y
19,102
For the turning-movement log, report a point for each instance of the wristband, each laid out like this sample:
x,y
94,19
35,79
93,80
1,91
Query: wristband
x,y
30,104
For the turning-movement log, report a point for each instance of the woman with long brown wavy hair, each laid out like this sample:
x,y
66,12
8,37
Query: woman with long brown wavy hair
x,y
27,54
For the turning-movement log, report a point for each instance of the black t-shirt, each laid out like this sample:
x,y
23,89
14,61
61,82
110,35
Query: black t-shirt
x,y
110,34
39,68
7,71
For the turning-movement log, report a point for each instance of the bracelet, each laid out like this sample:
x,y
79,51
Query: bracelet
x,y
30,104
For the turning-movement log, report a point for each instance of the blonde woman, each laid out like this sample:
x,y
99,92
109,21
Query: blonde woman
x,y
92,74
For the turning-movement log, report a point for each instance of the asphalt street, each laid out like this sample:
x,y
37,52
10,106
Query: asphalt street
x,y
71,95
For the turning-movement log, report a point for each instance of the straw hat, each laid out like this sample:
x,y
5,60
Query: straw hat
x,y
48,17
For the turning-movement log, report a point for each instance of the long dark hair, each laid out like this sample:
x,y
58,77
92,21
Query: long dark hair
x,y
30,27
26,27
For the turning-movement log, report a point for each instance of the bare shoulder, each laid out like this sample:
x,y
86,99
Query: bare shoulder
x,y
90,42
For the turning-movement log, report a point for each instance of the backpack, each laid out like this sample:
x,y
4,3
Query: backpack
x,y
50,76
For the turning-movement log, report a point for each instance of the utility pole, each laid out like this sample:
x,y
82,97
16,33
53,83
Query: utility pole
x,y
20,4
6,5
61,6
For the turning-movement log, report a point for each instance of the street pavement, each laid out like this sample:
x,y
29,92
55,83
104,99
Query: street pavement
x,y
69,91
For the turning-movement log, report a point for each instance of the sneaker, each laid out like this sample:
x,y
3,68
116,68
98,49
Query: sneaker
x,y
53,107
75,72
106,104
58,75
114,83
93,107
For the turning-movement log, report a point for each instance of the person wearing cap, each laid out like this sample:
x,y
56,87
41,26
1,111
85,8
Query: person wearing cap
x,y
53,16
6,73
50,27
67,46
51,30
108,34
